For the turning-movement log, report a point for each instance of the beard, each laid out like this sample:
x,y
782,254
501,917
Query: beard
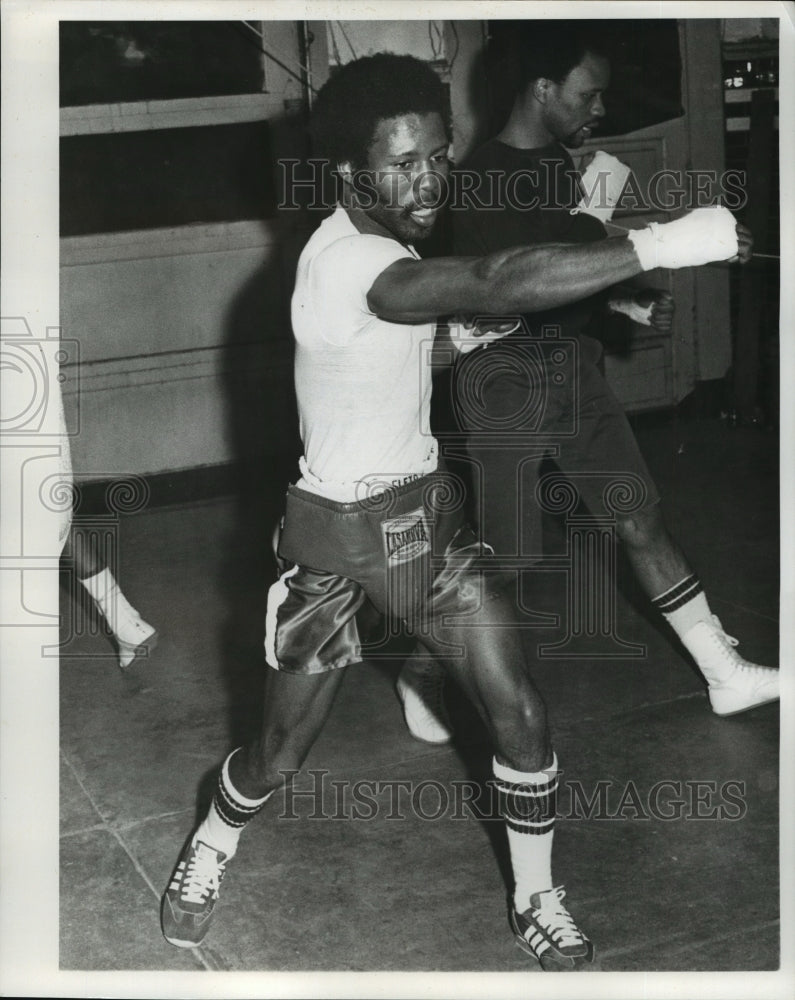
x,y
574,140
401,225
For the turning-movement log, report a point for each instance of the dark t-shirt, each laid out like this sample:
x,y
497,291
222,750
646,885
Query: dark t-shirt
x,y
521,197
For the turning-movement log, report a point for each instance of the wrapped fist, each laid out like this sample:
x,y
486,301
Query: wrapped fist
x,y
700,237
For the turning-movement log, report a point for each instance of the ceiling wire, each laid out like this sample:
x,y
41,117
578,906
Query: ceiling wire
x,y
454,56
305,72
345,36
335,52
436,39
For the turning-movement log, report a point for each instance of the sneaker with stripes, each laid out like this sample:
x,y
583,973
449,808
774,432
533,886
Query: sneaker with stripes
x,y
546,930
190,899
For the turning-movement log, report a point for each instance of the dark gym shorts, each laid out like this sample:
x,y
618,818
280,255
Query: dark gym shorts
x,y
571,416
407,551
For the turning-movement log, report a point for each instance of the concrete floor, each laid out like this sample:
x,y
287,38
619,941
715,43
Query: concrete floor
x,y
404,891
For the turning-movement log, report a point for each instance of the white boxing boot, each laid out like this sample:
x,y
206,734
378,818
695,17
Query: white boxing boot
x,y
735,685
420,687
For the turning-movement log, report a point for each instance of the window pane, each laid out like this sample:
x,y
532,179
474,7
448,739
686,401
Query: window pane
x,y
170,177
106,62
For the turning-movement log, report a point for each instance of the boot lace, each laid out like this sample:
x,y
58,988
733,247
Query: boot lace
x,y
722,634
729,643
432,692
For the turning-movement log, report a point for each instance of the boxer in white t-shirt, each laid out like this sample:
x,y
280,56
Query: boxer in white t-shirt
x,y
373,518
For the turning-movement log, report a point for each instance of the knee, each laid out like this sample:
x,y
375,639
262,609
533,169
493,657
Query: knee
x,y
532,713
642,528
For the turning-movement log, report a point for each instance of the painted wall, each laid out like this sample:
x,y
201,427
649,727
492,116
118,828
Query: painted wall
x,y
185,353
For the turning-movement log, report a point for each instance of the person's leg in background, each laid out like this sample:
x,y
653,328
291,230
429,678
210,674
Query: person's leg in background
x,y
675,591
603,457
603,445
132,634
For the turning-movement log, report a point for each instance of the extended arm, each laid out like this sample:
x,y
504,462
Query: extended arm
x,y
532,279
519,280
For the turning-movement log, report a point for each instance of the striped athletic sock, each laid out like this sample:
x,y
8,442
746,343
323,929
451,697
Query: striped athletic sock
x,y
684,605
527,801
229,813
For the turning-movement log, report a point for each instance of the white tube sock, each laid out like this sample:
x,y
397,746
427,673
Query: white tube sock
x,y
229,813
527,804
683,605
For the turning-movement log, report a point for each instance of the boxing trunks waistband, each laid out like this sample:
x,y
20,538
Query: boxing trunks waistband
x,y
399,524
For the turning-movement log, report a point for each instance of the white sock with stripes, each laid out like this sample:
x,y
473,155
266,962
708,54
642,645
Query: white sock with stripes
x,y
527,804
684,605
686,609
229,813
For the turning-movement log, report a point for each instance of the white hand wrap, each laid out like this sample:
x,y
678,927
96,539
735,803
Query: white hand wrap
x,y
701,236
465,337
629,307
603,181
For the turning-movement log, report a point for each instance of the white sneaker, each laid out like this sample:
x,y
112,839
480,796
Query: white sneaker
x,y
546,930
186,910
735,684
422,695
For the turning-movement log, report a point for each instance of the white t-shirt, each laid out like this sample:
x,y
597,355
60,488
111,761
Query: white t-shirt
x,y
363,384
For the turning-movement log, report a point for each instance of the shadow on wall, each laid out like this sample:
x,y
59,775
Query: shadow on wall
x,y
260,398
263,435
262,423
